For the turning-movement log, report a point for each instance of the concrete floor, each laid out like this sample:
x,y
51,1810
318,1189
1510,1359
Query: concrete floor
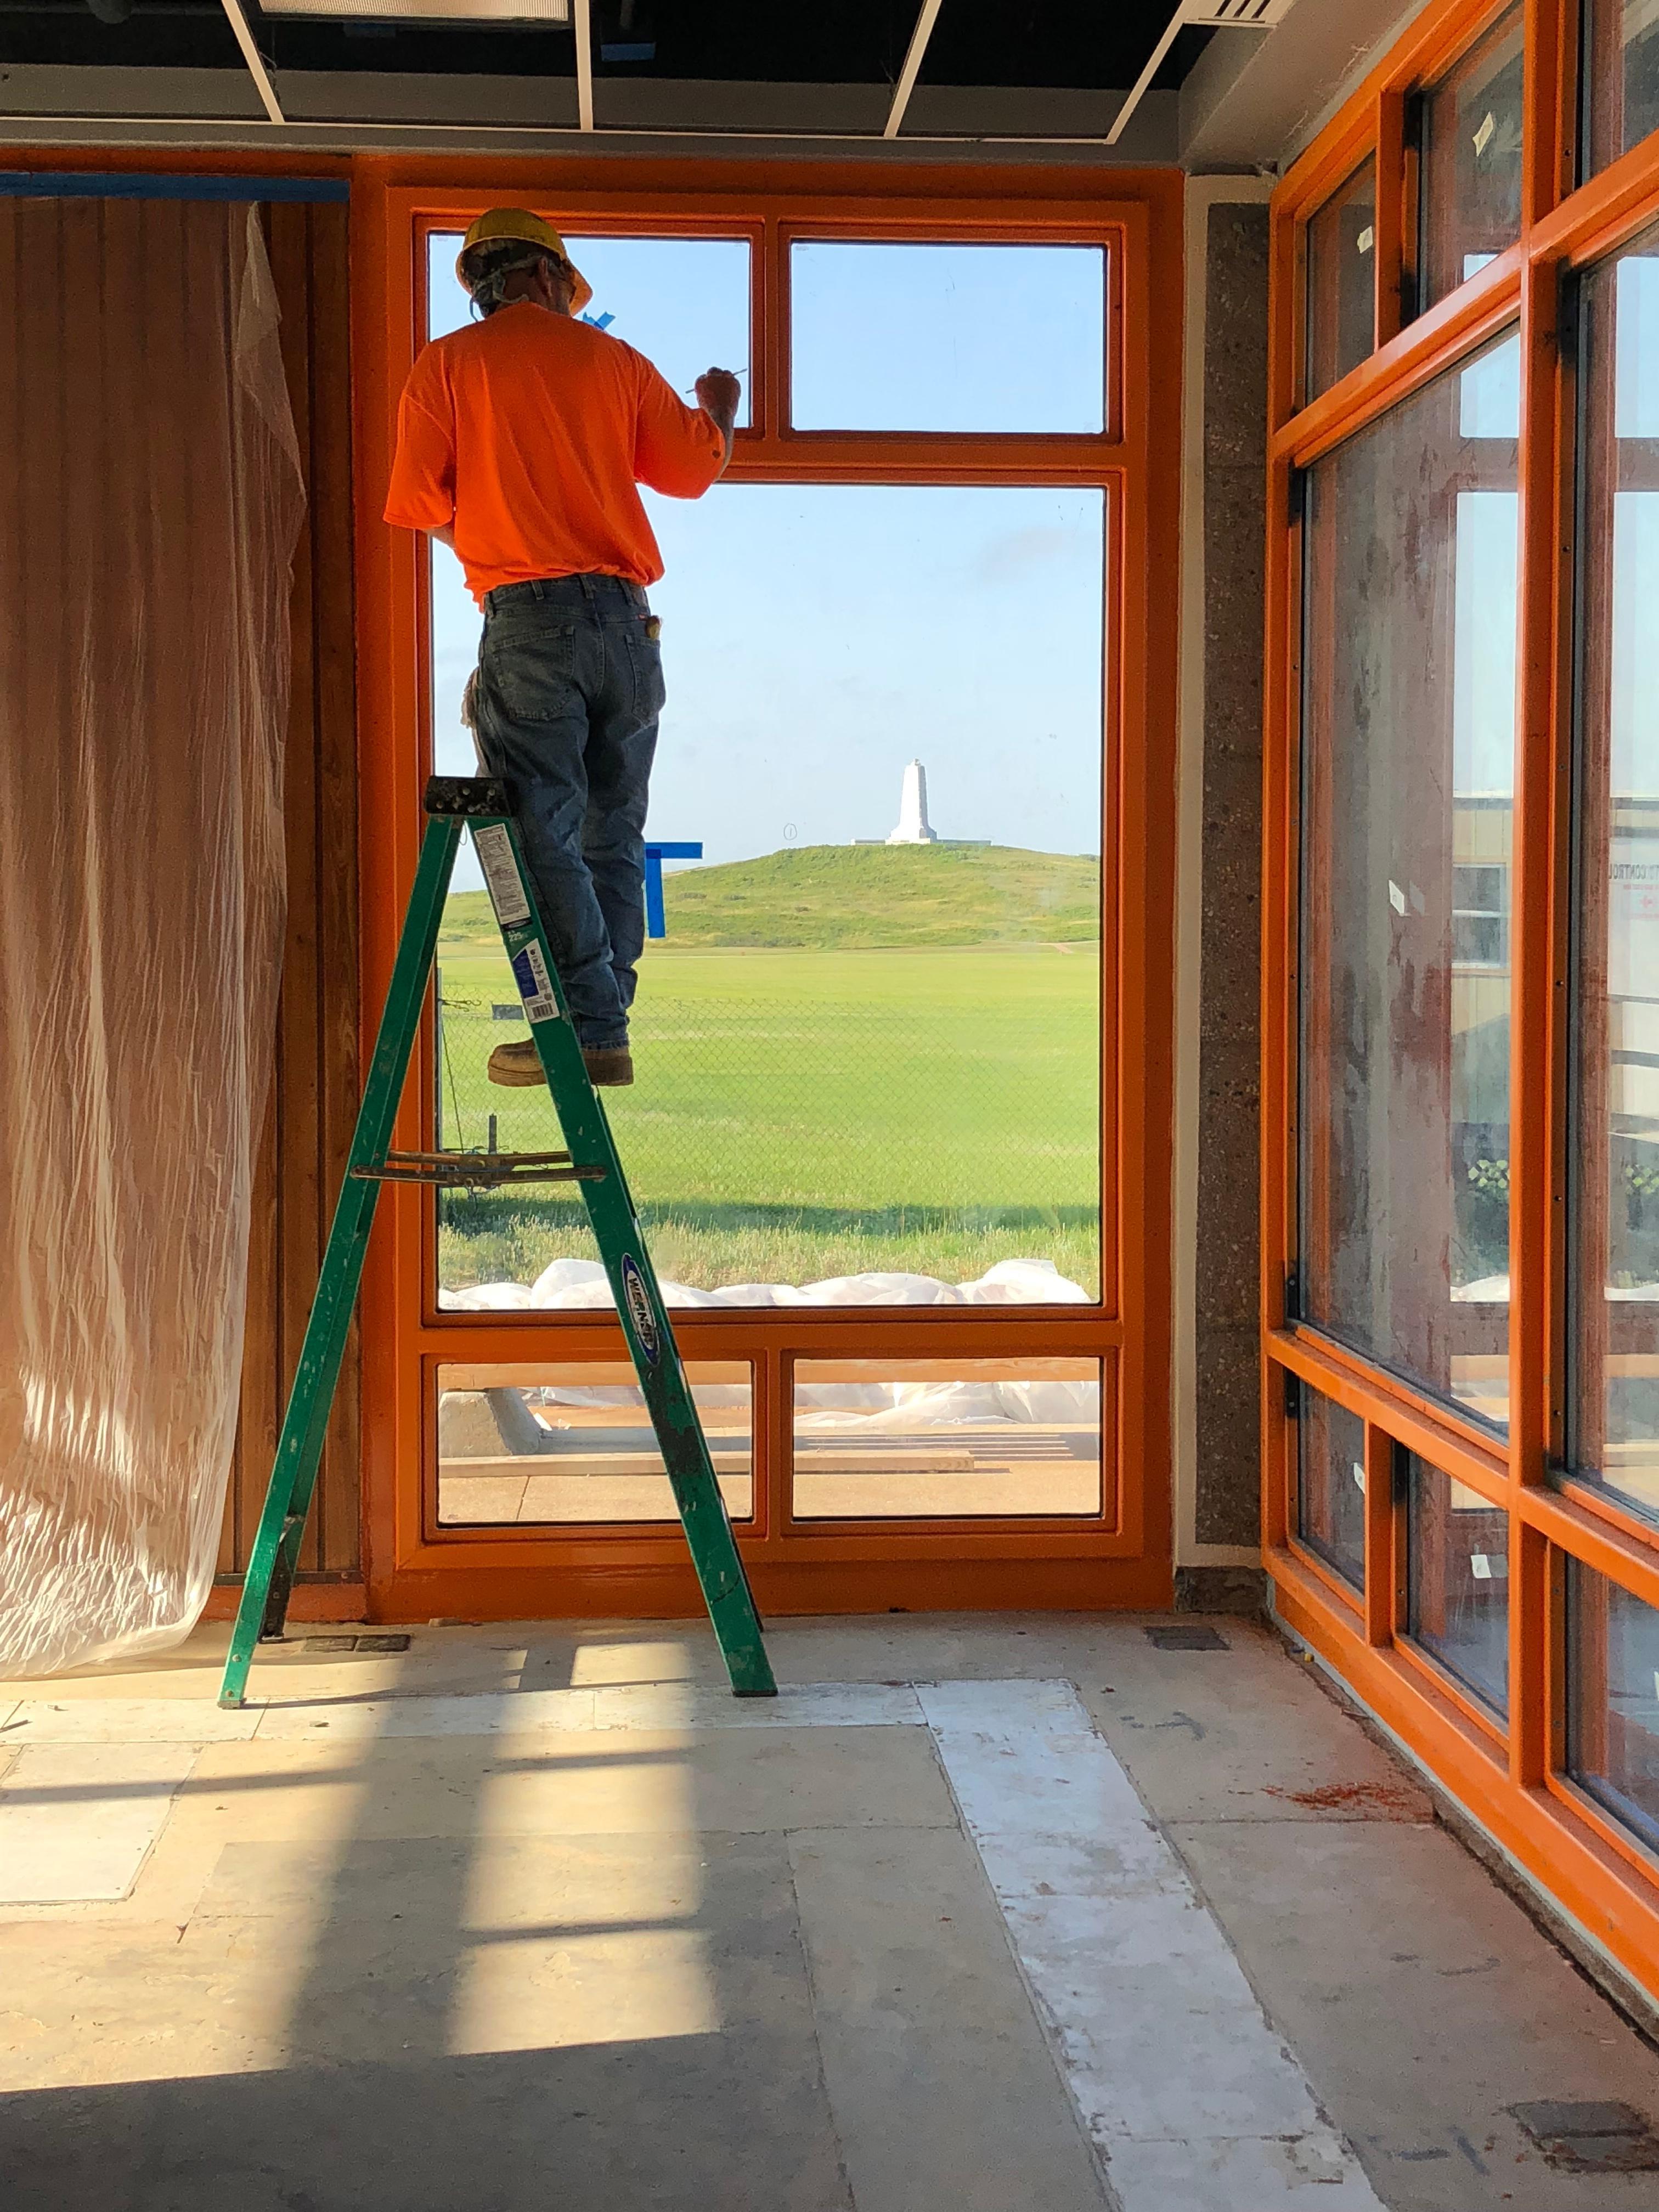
x,y
536,1915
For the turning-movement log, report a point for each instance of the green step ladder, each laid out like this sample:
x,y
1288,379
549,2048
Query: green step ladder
x,y
485,805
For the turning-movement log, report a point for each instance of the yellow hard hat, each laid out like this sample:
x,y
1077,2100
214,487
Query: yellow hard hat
x,y
519,222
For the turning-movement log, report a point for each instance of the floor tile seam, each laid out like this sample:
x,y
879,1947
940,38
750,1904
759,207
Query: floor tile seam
x,y
73,1911
809,1980
609,1714
114,1914
1257,2011
292,1720
562,1832
518,1741
1291,1820
1143,2136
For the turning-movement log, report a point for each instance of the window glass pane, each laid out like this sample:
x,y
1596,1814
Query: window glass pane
x,y
682,302
893,1439
947,338
1470,179
1621,77
1408,735
866,1072
1341,251
910,1031
1613,1700
1457,1575
1330,1490
1614,1032
573,1442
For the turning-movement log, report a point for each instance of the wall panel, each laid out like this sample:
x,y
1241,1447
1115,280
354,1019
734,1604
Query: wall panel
x,y
314,1093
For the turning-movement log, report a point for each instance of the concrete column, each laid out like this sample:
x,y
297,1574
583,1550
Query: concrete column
x,y
1216,1370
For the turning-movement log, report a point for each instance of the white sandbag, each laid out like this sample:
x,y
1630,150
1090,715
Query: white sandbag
x,y
581,1286
934,1403
880,1290
571,1285
1065,1404
829,1400
1024,1282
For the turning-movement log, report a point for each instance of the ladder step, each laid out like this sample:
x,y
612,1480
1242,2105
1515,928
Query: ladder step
x,y
477,1170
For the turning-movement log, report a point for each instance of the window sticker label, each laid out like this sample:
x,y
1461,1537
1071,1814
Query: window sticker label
x,y
535,984
1396,898
494,850
1359,1467
1366,239
1483,136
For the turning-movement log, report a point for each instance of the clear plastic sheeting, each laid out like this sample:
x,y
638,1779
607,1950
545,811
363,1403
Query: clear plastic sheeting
x,y
145,548
583,1285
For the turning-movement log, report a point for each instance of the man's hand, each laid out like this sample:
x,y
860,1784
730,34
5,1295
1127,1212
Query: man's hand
x,y
718,394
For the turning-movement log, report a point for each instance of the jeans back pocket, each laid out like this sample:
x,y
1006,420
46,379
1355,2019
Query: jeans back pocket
x,y
531,666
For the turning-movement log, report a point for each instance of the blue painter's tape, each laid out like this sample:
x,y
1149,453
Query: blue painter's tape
x,y
139,185
656,920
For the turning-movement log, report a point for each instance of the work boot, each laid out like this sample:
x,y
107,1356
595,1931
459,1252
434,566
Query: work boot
x,y
519,1065
608,1067
516,1064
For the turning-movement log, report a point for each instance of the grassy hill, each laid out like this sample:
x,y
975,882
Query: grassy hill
x,y
850,897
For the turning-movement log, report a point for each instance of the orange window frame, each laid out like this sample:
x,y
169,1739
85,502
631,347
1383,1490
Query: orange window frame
x,y
1510,1777
1121,1556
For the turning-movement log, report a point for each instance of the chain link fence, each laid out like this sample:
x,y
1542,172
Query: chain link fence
x,y
772,1140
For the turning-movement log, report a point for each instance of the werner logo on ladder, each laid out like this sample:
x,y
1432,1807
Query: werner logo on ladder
x,y
519,440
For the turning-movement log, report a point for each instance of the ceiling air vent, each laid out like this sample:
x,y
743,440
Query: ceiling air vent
x,y
427,11
1199,16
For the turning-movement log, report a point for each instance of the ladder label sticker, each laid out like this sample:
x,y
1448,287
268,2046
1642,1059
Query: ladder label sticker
x,y
535,984
501,872
638,1300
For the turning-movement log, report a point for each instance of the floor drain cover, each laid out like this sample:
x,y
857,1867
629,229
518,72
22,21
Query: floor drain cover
x,y
1591,2138
357,1643
1187,1636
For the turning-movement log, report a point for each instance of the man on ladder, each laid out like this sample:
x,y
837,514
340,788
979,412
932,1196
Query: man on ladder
x,y
521,442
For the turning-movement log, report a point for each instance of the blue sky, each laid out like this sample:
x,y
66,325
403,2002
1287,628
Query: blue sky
x,y
816,638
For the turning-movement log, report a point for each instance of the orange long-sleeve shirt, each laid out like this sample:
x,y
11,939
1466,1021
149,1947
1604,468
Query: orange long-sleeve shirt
x,y
530,432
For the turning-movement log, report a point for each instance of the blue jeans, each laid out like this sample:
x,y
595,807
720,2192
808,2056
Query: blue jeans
x,y
569,691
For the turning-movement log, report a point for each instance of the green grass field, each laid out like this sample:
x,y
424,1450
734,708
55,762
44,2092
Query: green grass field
x,y
809,1110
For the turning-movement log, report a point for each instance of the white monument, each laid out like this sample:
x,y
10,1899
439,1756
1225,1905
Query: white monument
x,y
913,828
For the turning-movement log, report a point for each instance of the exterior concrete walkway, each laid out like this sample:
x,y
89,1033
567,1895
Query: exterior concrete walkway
x,y
980,1915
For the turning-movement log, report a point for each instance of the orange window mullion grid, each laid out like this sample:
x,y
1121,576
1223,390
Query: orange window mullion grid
x,y
1122,1554
1598,1870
